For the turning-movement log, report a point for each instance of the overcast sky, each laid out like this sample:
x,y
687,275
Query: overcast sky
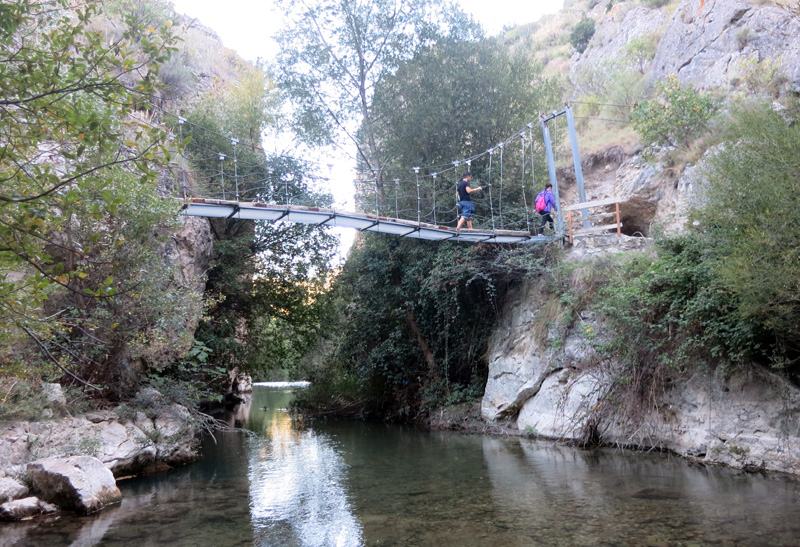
x,y
246,25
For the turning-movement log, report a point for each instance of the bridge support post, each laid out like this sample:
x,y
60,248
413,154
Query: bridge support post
x,y
576,161
551,170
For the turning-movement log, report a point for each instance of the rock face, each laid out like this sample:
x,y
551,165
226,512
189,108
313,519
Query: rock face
x,y
124,446
190,249
80,483
710,46
548,383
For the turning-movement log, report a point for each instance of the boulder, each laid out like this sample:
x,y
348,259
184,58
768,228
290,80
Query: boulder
x,y
79,483
11,489
25,508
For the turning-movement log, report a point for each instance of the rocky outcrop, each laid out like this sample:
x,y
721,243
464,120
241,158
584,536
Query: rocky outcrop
x,y
73,462
124,445
11,489
606,51
710,44
80,483
190,250
552,383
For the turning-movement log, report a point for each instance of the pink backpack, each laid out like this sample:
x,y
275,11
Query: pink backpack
x,y
540,203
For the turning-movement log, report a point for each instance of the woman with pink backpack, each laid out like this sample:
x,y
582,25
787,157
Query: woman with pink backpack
x,y
545,204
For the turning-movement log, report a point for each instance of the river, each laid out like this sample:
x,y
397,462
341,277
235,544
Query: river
x,y
345,483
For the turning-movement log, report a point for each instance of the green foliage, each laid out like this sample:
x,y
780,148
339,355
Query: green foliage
x,y
265,278
78,194
675,116
334,54
451,100
751,217
761,77
582,34
641,50
671,311
655,4
668,316
414,323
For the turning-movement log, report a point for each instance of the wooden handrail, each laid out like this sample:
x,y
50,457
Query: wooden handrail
x,y
595,229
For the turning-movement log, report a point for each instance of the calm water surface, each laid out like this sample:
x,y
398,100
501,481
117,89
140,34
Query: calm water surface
x,y
342,484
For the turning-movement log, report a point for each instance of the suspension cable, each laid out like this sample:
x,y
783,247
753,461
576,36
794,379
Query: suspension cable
x,y
522,180
500,206
416,177
491,204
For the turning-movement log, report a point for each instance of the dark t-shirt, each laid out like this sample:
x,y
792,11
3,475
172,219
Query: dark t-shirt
x,y
463,195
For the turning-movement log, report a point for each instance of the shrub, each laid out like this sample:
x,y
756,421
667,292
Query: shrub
x,y
675,116
582,33
752,219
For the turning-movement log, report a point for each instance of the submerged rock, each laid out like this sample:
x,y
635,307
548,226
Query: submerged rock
x,y
25,508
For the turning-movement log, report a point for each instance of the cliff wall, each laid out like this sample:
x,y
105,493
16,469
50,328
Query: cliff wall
x,y
548,379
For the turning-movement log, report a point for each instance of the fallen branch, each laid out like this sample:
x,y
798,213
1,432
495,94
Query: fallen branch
x,y
52,358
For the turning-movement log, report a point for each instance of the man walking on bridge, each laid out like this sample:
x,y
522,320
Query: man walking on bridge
x,y
464,201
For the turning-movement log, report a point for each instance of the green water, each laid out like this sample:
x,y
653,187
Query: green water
x,y
343,483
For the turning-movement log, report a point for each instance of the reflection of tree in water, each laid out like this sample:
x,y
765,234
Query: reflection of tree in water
x,y
561,495
297,490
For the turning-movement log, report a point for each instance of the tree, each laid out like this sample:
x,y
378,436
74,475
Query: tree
x,y
455,99
751,219
334,53
70,149
582,34
264,277
675,116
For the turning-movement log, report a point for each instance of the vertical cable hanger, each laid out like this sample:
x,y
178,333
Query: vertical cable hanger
x,y
522,179
234,142
222,173
500,200
434,197
491,204
416,177
181,121
396,202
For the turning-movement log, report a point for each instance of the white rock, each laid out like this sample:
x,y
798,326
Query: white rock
x,y
24,508
78,483
11,489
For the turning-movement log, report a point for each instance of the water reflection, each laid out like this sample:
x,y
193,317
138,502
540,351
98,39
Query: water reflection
x,y
345,483
298,494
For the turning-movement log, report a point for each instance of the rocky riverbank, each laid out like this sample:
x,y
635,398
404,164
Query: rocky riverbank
x,y
548,381
72,463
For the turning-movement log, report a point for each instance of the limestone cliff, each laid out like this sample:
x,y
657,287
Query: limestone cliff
x,y
550,384
547,379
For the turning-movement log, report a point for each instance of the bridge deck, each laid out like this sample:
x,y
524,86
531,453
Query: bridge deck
x,y
215,208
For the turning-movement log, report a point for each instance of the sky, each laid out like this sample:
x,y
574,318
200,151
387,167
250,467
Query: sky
x,y
246,26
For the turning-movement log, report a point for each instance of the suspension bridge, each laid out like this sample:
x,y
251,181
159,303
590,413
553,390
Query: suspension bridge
x,y
436,212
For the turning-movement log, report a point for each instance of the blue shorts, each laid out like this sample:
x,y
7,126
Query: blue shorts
x,y
467,208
